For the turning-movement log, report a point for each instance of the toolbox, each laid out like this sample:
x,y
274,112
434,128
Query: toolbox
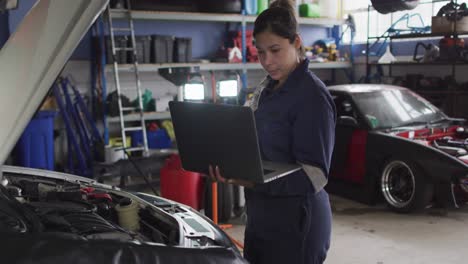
x,y
441,24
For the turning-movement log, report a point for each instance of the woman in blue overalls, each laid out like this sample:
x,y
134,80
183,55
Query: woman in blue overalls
x,y
289,219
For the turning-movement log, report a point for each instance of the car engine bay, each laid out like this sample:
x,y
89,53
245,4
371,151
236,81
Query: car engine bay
x,y
74,211
451,140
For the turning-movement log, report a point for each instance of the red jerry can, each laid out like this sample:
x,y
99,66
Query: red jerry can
x,y
180,185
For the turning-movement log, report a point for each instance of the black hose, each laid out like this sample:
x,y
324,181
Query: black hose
x,y
21,210
140,172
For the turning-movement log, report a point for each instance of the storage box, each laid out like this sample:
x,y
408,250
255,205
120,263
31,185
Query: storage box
x,y
217,6
164,5
118,142
158,139
443,25
183,50
309,10
35,148
122,55
114,152
143,49
162,49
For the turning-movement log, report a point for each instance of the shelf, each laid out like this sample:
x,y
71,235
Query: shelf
x,y
219,66
136,117
426,35
406,63
213,17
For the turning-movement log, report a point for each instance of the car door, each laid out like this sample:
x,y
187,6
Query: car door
x,y
349,155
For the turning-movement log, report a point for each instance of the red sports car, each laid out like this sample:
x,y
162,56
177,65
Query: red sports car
x,y
392,143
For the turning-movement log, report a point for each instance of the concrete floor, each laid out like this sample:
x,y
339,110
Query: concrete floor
x,y
375,235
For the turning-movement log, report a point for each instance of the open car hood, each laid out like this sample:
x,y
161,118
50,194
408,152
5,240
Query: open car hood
x,y
34,56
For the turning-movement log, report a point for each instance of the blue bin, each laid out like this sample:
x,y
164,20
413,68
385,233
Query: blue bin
x,y
157,139
35,148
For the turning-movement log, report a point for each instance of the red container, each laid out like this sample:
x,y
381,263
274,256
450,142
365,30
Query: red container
x,y
179,185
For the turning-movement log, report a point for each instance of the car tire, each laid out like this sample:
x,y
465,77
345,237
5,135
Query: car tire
x,y
404,186
225,201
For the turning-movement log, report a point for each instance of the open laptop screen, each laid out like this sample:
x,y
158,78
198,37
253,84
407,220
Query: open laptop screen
x,y
223,135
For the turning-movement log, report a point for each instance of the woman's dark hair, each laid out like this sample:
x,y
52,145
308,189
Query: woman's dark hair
x,y
279,19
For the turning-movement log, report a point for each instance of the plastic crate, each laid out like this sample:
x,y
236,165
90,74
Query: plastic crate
x,y
162,48
122,55
182,50
164,5
216,6
118,142
158,139
143,48
35,148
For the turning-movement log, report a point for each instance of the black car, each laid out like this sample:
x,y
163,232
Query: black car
x,y
392,143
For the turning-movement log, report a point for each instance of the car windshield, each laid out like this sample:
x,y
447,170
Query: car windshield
x,y
396,108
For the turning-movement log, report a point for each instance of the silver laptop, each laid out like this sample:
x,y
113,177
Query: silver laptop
x,y
224,136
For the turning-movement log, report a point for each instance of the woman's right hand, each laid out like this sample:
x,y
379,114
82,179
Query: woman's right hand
x,y
216,176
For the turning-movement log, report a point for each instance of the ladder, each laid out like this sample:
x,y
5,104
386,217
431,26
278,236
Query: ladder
x,y
125,128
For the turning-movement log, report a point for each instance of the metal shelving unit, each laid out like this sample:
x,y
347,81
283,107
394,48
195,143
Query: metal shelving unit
x,y
214,17
221,66
208,17
423,35
451,94
135,117
413,63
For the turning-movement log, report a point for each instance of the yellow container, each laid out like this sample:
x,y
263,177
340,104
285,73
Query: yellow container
x,y
118,142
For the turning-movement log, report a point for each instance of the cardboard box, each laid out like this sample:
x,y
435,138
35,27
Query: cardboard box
x,y
443,25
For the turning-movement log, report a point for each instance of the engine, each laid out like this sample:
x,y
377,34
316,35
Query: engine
x,y
69,210
454,146
452,140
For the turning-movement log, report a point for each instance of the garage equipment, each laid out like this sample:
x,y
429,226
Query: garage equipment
x,y
453,48
125,128
180,185
451,18
389,6
431,52
83,137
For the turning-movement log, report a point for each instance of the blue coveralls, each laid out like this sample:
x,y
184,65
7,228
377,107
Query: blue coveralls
x,y
288,221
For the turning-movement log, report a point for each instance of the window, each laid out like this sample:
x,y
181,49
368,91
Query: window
x,y
380,23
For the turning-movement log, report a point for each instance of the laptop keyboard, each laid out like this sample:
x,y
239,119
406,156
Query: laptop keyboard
x,y
265,171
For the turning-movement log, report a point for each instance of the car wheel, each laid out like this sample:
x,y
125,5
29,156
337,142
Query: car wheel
x,y
404,187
